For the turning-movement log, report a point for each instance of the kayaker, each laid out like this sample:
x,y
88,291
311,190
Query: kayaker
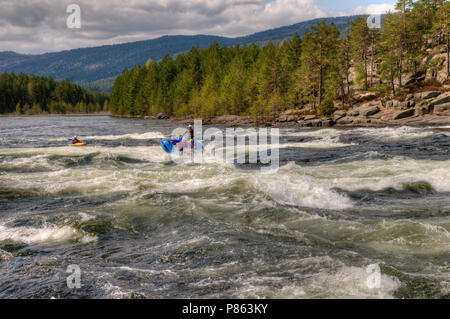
x,y
75,140
181,148
191,133
179,143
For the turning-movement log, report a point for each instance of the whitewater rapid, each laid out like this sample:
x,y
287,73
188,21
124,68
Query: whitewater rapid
x,y
140,224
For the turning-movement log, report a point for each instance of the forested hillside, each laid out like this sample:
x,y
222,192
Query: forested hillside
x,y
317,71
86,65
28,94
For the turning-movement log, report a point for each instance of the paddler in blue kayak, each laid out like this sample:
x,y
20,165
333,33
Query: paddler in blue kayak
x,y
175,142
168,144
180,142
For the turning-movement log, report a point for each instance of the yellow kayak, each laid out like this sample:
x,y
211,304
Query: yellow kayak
x,y
78,144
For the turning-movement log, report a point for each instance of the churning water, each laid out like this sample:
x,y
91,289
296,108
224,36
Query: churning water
x,y
142,226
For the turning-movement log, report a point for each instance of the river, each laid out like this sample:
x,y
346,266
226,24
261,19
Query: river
x,y
140,225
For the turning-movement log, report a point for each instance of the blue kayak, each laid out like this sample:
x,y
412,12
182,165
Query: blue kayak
x,y
168,144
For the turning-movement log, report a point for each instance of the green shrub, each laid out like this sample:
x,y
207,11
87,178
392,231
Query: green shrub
x,y
326,107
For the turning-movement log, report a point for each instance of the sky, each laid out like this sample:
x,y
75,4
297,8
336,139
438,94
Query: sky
x,y
38,26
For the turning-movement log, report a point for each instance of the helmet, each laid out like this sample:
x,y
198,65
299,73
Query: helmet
x,y
190,126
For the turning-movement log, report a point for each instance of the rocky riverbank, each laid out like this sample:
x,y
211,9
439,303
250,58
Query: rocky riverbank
x,y
423,108
419,109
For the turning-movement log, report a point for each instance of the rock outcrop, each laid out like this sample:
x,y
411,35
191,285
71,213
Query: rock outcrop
x,y
403,114
442,109
162,116
360,97
427,95
431,107
339,115
310,117
369,110
441,99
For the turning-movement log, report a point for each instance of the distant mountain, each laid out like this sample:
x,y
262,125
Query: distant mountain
x,y
101,64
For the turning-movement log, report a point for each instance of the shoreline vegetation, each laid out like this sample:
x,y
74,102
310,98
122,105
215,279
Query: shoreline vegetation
x,y
371,77
36,95
57,114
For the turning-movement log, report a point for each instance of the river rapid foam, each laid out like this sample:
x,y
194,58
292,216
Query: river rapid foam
x,y
141,225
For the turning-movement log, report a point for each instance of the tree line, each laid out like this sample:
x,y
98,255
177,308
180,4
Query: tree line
x,y
29,94
263,81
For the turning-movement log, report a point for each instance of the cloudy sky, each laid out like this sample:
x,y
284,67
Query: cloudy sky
x,y
37,26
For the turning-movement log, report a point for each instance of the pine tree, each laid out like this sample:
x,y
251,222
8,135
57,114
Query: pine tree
x,y
360,42
319,54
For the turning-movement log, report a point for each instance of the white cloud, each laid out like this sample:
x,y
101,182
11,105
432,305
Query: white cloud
x,y
33,26
379,8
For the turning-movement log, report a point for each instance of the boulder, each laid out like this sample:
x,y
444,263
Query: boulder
x,y
369,110
408,79
442,108
345,121
162,116
410,97
421,110
292,118
353,112
282,118
442,99
439,72
447,113
327,123
364,96
403,114
389,103
315,123
310,117
360,121
403,105
396,103
386,118
233,120
338,115
429,95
